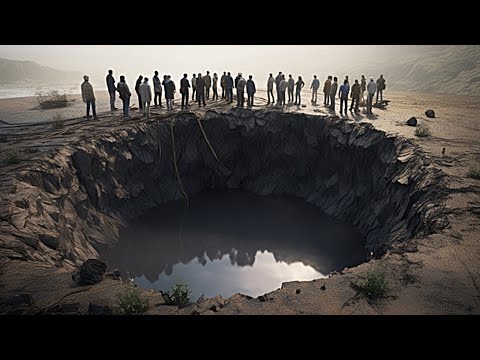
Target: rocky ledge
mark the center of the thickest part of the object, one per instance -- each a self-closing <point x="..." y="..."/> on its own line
<point x="60" y="209"/>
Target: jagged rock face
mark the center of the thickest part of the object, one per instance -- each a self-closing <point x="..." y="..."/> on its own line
<point x="61" y="210"/>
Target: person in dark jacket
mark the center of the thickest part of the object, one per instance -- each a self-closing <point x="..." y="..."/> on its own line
<point x="290" y="88"/>
<point x="137" y="90"/>
<point x="343" y="94"/>
<point x="201" y="90"/>
<point x="236" y="83"/>
<point x="184" y="86"/>
<point x="229" y="87"/>
<point x="241" y="90"/>
<point x="157" y="90"/>
<point x="333" y="93"/>
<point x="363" y="88"/>
<point x="215" y="86"/>
<point x="124" y="94"/>
<point x="326" y="90"/>
<point x="169" y="92"/>
<point x="380" y="88"/>
<point x="111" y="89"/>
<point x="300" y="84"/>
<point x="194" y="87"/>
<point x="251" y="90"/>
<point x="355" y="96"/>
<point x="315" y="85"/>
<point x="270" y="83"/>
<point x="208" y="84"/>
<point x="223" y="83"/>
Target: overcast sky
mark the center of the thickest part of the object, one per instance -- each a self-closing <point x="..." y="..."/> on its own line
<point x="259" y="60"/>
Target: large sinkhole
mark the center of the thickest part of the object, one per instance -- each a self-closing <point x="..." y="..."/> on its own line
<point x="292" y="193"/>
<point x="234" y="242"/>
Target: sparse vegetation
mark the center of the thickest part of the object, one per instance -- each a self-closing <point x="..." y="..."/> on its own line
<point x="57" y="122"/>
<point x="11" y="157"/>
<point x="375" y="285"/>
<point x="51" y="100"/>
<point x="423" y="131"/>
<point x="474" y="173"/>
<point x="180" y="295"/>
<point x="131" y="302"/>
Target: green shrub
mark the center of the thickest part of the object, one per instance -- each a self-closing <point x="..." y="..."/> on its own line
<point x="131" y="302"/>
<point x="375" y="285"/>
<point x="423" y="131"/>
<point x="180" y="295"/>
<point x="57" y="121"/>
<point x="11" y="157"/>
<point x="474" y="173"/>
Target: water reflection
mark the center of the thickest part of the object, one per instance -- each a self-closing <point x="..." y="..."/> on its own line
<point x="229" y="242"/>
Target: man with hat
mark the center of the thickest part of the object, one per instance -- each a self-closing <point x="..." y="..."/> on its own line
<point x="88" y="97"/>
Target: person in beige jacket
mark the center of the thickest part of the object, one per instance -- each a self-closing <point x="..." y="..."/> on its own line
<point x="146" y="96"/>
<point x="88" y="97"/>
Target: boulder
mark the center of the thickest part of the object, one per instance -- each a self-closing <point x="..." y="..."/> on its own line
<point x="91" y="272"/>
<point x="412" y="121"/>
<point x="430" y="113"/>
<point x="100" y="307"/>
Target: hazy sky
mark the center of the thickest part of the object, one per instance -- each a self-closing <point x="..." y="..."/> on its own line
<point x="258" y="60"/>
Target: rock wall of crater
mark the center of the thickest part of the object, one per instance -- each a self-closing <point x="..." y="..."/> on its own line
<point x="63" y="208"/>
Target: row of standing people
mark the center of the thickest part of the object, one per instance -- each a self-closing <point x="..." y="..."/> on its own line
<point x="201" y="90"/>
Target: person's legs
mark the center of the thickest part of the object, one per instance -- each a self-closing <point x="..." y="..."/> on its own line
<point x="94" y="111"/>
<point x="144" y="105"/>
<point x="251" y="101"/>
<point x="148" y="109"/>
<point x="381" y="95"/>
<point x="378" y="92"/>
<point x="183" y="101"/>
<point x="88" y="108"/>
<point x="112" y="101"/>
<point x="155" y="102"/>
<point x="223" y="92"/>
<point x="341" y="105"/>
<point x="193" y="94"/>
<point x="332" y="102"/>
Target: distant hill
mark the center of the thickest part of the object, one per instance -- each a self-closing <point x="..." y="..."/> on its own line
<point x="448" y="69"/>
<point x="12" y="71"/>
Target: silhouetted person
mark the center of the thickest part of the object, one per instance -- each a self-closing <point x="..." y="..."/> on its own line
<point x="283" y="89"/>
<point x="300" y="84"/>
<point x="223" y="83"/>
<point x="208" y="84"/>
<point x="355" y="96"/>
<point x="371" y="89"/>
<point x="346" y="79"/>
<point x="380" y="88"/>
<point x="229" y="88"/>
<point x="343" y="95"/>
<point x="201" y="90"/>
<point x="169" y="92"/>
<point x="326" y="91"/>
<point x="124" y="94"/>
<point x="241" y="90"/>
<point x="146" y="95"/>
<point x="333" y="92"/>
<point x="137" y="90"/>
<point x="88" y="97"/>
<point x="184" y="86"/>
<point x="363" y="88"/>
<point x="291" y="86"/>
<point x="236" y="82"/>
<point x="111" y="89"/>
<point x="157" y="89"/>
<point x="315" y="86"/>
<point x="214" y="86"/>
<point x="278" y="80"/>
<point x="194" y="88"/>
<point x="270" y="83"/>
<point x="251" y="90"/>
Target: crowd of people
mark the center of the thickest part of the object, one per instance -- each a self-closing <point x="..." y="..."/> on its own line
<point x="200" y="87"/>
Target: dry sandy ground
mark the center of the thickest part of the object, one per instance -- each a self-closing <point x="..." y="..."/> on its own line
<point x="441" y="277"/>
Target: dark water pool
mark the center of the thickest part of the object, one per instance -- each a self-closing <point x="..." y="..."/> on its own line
<point x="229" y="242"/>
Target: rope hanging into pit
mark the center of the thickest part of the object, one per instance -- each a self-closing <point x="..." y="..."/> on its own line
<point x="208" y="143"/>
<point x="175" y="163"/>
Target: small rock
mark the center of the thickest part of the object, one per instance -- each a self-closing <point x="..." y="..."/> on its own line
<point x="91" y="272"/>
<point x="20" y="299"/>
<point x="263" y="298"/>
<point x="115" y="274"/>
<point x="323" y="287"/>
<point x="297" y="291"/>
<point x="66" y="308"/>
<point x="412" y="121"/>
<point x="430" y="113"/>
<point x="99" y="307"/>
<point x="215" y="308"/>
